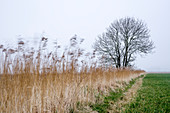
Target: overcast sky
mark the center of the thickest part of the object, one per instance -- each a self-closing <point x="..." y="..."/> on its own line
<point x="62" y="19"/>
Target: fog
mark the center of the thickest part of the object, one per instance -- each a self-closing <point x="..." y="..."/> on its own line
<point x="62" y="19"/>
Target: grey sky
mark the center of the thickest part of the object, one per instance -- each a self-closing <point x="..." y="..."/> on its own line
<point x="62" y="19"/>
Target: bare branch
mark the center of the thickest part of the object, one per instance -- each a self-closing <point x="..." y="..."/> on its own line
<point x="123" y="40"/>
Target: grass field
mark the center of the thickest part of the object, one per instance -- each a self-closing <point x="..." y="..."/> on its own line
<point x="39" y="81"/>
<point x="154" y="95"/>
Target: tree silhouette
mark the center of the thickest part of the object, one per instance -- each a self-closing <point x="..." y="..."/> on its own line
<point x="122" y="41"/>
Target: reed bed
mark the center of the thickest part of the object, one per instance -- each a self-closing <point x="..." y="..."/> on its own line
<point x="38" y="81"/>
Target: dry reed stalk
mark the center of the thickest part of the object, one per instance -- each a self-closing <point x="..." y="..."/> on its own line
<point x="38" y="82"/>
<point x="20" y="93"/>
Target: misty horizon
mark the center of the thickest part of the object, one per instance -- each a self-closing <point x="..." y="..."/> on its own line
<point x="61" y="20"/>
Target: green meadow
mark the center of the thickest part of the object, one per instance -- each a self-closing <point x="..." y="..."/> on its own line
<point x="153" y="96"/>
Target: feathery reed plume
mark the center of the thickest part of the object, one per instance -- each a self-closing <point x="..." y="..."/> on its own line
<point x="39" y="81"/>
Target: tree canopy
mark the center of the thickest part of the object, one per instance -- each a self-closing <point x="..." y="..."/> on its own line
<point x="122" y="41"/>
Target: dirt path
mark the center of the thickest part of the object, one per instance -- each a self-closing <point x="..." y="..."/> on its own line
<point x="119" y="106"/>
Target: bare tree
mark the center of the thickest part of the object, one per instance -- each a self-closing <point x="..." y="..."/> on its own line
<point x="122" y="41"/>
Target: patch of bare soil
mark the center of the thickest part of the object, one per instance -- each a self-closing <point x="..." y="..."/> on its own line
<point x="119" y="106"/>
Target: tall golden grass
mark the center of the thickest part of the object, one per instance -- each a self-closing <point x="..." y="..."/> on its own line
<point x="39" y="82"/>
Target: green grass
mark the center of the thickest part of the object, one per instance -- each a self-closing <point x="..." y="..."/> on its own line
<point x="154" y="95"/>
<point x="114" y="96"/>
<point x="102" y="107"/>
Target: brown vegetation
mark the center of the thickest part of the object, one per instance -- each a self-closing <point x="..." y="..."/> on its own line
<point x="40" y="81"/>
